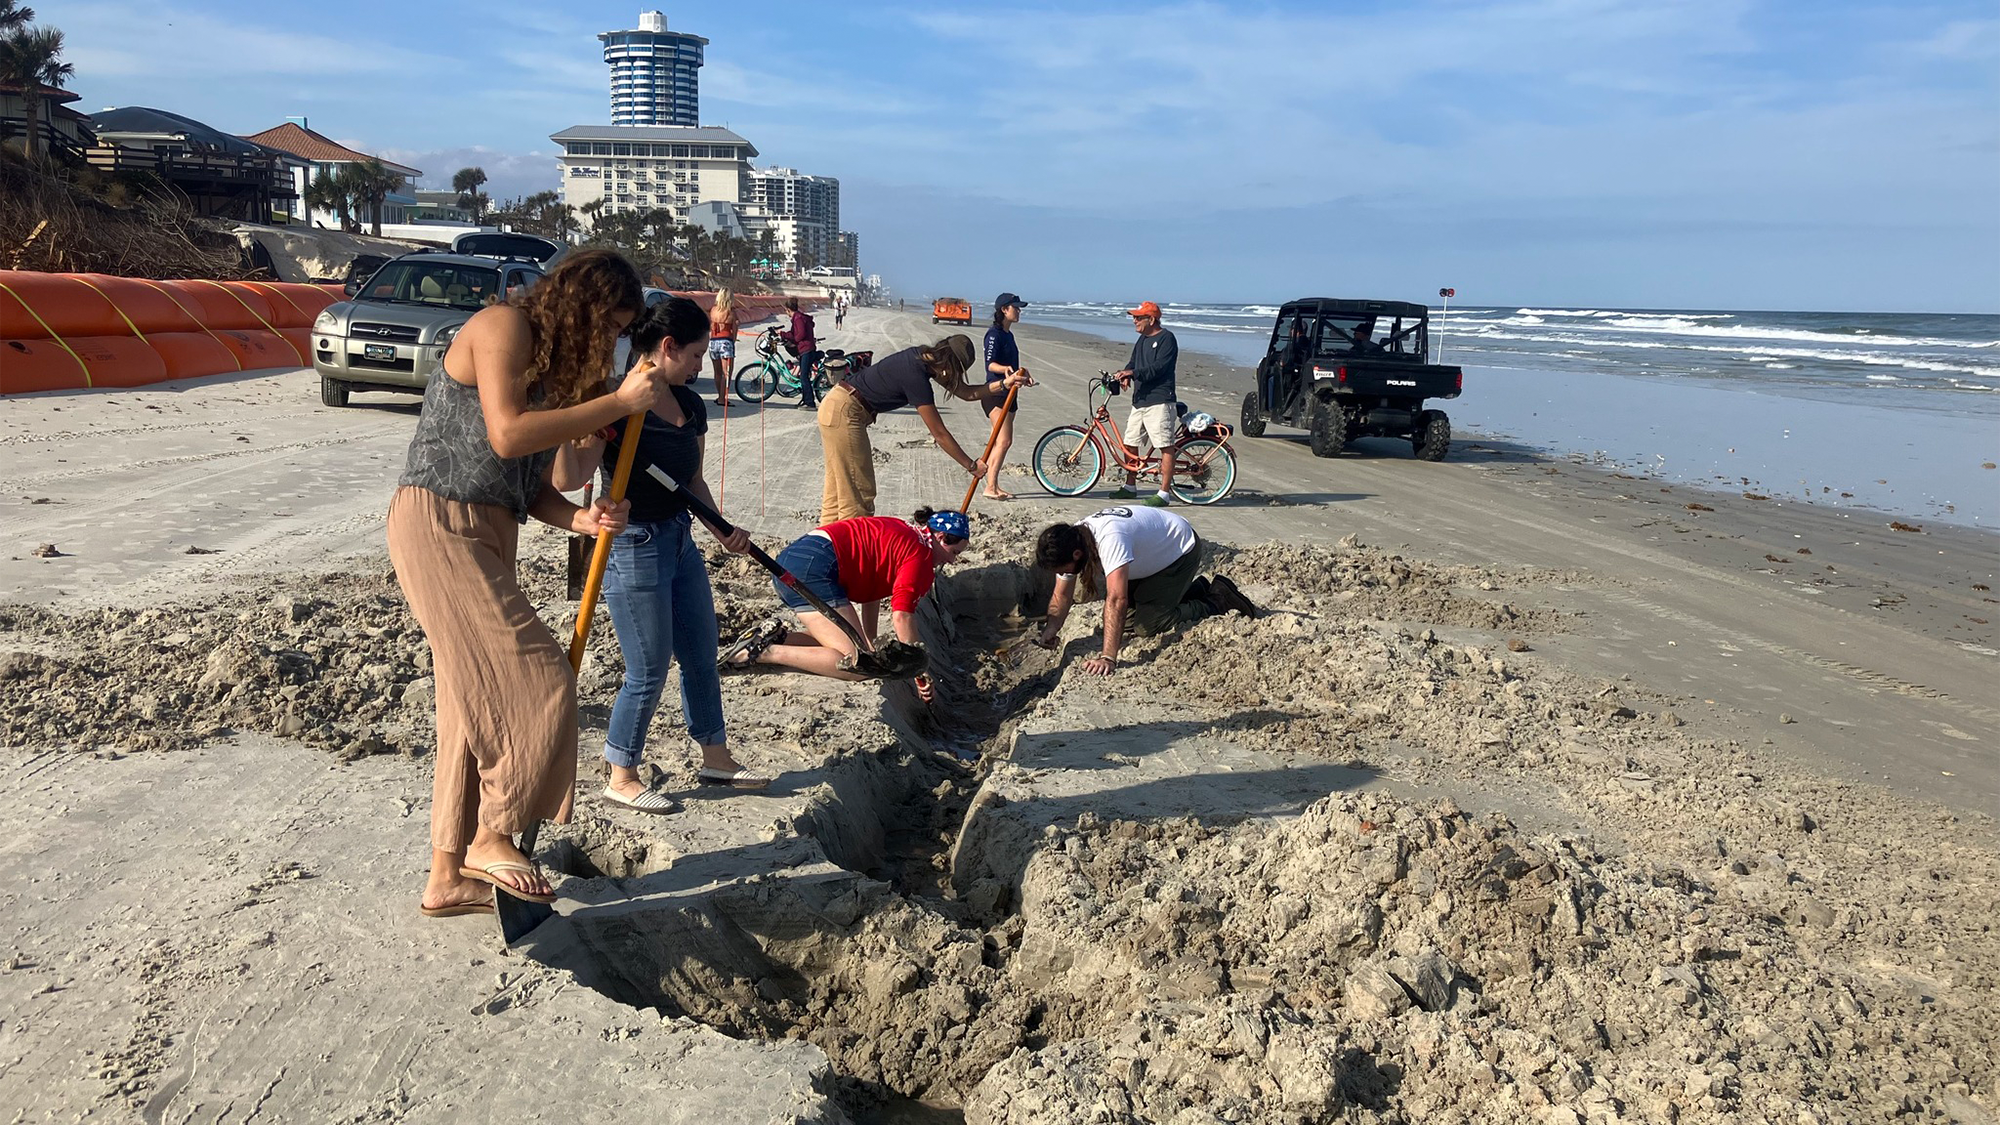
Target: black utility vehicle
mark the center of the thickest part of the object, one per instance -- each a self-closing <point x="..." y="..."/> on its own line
<point x="1342" y="369"/>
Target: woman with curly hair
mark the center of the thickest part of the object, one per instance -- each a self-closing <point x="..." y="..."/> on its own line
<point x="519" y="380"/>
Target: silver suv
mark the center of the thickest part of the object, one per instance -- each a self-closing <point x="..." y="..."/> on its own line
<point x="392" y="331"/>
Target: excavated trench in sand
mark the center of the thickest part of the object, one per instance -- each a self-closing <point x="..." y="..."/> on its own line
<point x="779" y="956"/>
<point x="1368" y="959"/>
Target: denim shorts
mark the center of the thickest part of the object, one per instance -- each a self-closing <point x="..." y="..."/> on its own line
<point x="811" y="560"/>
<point x="722" y="347"/>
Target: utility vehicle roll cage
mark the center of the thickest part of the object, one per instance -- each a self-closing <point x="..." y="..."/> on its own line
<point x="1337" y="327"/>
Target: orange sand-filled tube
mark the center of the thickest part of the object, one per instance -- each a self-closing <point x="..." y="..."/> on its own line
<point x="74" y="331"/>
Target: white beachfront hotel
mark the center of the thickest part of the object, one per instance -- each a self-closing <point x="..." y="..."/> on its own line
<point x="651" y="167"/>
<point x="655" y="156"/>
<point x="701" y="176"/>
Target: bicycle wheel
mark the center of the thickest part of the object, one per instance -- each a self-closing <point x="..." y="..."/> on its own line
<point x="1067" y="462"/>
<point x="822" y="380"/>
<point x="758" y="381"/>
<point x="1204" y="472"/>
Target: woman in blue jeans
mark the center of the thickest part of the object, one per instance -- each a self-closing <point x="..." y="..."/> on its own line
<point x="656" y="586"/>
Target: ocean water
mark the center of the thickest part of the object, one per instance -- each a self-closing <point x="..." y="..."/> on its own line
<point x="1896" y="412"/>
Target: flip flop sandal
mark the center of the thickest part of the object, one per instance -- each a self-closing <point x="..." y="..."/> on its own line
<point x="487" y="875"/>
<point x="456" y="910"/>
<point x="752" y="646"/>
<point x="648" y="801"/>
<point x="735" y="779"/>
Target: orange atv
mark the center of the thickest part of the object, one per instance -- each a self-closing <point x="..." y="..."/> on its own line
<point x="951" y="310"/>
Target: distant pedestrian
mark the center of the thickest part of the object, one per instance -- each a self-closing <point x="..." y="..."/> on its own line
<point x="839" y="311"/>
<point x="1155" y="412"/>
<point x="1144" y="563"/>
<point x="800" y="337"/>
<point x="519" y="380"/>
<point x="1003" y="362"/>
<point x="908" y="378"/>
<point x="722" y="328"/>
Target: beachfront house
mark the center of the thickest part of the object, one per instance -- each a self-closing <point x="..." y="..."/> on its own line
<point x="316" y="154"/>
<point x="220" y="175"/>
<point x="64" y="132"/>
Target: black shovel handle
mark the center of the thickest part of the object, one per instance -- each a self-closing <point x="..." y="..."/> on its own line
<point x="714" y="519"/>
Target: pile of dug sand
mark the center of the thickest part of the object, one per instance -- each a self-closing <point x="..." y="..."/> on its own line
<point x="334" y="660"/>
<point x="1727" y="939"/>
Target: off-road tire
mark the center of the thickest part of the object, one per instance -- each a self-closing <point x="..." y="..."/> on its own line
<point x="332" y="391"/>
<point x="1433" y="439"/>
<point x="1253" y="417"/>
<point x="1326" y="427"/>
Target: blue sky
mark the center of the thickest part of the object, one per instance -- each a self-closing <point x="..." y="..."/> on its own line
<point x="1685" y="153"/>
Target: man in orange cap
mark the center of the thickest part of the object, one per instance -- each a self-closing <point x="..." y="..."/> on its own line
<point x="1155" y="412"/>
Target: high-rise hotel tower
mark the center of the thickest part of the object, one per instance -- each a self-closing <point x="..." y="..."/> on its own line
<point x="654" y="73"/>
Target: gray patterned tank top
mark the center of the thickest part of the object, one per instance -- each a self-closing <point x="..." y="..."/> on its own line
<point x="451" y="456"/>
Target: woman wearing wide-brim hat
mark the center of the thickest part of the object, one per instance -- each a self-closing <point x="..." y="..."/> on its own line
<point x="907" y="378"/>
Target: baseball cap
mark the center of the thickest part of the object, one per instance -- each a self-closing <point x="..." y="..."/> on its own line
<point x="1146" y="308"/>
<point x="1005" y="299"/>
<point x="960" y="348"/>
<point x="950" y="523"/>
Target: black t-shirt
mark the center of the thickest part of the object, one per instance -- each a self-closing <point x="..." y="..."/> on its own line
<point x="675" y="449"/>
<point x="897" y="381"/>
<point x="1152" y="366"/>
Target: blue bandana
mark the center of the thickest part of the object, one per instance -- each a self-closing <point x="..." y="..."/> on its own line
<point x="950" y="523"/>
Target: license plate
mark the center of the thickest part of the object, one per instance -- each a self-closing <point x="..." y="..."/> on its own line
<point x="379" y="351"/>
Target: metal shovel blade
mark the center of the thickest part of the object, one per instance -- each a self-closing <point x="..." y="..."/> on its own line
<point x="518" y="916"/>
<point x="896" y="660"/>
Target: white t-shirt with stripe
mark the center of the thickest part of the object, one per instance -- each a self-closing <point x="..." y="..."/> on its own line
<point x="1148" y="540"/>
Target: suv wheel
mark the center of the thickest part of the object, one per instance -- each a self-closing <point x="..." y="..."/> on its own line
<point x="1326" y="427"/>
<point x="332" y="391"/>
<point x="1433" y="437"/>
<point x="1253" y="418"/>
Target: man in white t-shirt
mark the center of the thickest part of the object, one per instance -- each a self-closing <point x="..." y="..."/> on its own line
<point x="1144" y="561"/>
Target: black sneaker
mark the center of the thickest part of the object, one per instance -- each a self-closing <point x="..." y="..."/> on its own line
<point x="752" y="646"/>
<point x="1223" y="594"/>
<point x="1197" y="591"/>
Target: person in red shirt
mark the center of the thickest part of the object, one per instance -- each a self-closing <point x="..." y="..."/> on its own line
<point x="861" y="560"/>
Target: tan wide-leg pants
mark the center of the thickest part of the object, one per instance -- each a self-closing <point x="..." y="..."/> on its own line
<point x="506" y="700"/>
<point x="849" y="490"/>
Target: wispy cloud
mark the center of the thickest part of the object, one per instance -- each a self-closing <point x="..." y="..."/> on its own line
<point x="1047" y="132"/>
<point x="152" y="41"/>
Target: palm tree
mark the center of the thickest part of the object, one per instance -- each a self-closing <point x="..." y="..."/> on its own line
<point x="338" y="191"/>
<point x="12" y="17"/>
<point x="372" y="184"/>
<point x="31" y="58"/>
<point x="466" y="182"/>
<point x="697" y="246"/>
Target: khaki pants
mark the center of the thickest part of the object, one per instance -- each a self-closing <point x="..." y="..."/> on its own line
<point x="506" y="699"/>
<point x="849" y="488"/>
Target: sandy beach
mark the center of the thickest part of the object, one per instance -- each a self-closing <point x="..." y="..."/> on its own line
<point x="1543" y="792"/>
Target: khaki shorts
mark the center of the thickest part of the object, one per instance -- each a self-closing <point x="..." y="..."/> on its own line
<point x="1150" y="429"/>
